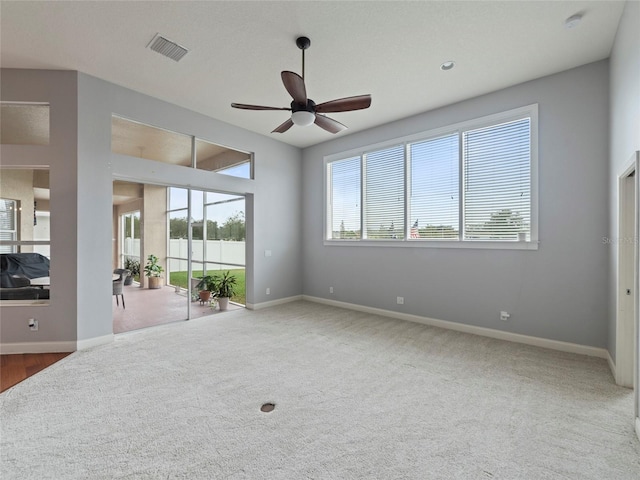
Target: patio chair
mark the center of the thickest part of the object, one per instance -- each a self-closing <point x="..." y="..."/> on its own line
<point x="118" y="284"/>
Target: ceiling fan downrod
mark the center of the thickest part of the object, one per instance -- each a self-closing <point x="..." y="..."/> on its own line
<point x="303" y="43"/>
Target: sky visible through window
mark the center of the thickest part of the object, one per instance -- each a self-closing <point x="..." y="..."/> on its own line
<point x="243" y="170"/>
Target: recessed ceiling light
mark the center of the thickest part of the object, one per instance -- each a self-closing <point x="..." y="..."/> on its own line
<point x="447" y="65"/>
<point x="573" y="21"/>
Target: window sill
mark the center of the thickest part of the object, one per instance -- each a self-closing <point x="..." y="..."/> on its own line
<point x="24" y="303"/>
<point x="532" y="245"/>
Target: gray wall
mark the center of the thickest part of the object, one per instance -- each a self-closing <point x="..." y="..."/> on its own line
<point x="81" y="197"/>
<point x="625" y="130"/>
<point x="57" y="321"/>
<point x="275" y="190"/>
<point x="559" y="291"/>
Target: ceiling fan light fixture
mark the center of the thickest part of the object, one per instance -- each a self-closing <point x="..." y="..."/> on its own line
<point x="303" y="118"/>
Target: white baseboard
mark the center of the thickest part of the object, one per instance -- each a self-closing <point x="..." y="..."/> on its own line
<point x="273" y="303"/>
<point x="94" y="342"/>
<point x="638" y="427"/>
<point x="461" y="327"/>
<point x="37" y="347"/>
<point x="53" y="347"/>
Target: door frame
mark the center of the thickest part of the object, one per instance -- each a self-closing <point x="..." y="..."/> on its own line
<point x="627" y="365"/>
<point x="627" y="253"/>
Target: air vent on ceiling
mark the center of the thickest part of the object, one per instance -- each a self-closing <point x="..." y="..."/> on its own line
<point x="167" y="47"/>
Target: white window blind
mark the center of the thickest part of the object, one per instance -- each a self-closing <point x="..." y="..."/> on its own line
<point x="8" y="222"/>
<point x="468" y="185"/>
<point x="497" y="181"/>
<point x="345" y="183"/>
<point x="434" y="196"/>
<point x="384" y="193"/>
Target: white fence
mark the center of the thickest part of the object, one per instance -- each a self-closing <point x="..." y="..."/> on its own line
<point x="221" y="254"/>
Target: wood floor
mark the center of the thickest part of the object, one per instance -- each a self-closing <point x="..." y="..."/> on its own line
<point x="15" y="368"/>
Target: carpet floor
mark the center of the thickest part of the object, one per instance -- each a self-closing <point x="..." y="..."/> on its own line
<point x="356" y="396"/>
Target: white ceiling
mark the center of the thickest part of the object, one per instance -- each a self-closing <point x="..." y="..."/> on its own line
<point x="389" y="49"/>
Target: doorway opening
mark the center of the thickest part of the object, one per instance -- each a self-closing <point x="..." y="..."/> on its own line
<point x="191" y="233"/>
<point x="627" y="366"/>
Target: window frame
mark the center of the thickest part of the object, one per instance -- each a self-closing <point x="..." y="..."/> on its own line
<point x="530" y="111"/>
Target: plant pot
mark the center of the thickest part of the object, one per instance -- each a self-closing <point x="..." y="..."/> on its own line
<point x="155" y="282"/>
<point x="223" y="302"/>
<point x="205" y="295"/>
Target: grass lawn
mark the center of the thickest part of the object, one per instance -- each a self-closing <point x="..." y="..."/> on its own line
<point x="180" y="279"/>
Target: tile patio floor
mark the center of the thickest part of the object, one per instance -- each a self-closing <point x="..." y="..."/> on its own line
<point x="146" y="308"/>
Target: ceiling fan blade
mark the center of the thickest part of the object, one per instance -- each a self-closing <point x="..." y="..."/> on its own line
<point x="283" y="127"/>
<point x="295" y="86"/>
<point x="329" y="124"/>
<point x="347" y="104"/>
<point x="244" y="106"/>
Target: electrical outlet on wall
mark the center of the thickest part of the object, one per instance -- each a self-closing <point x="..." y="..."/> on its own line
<point x="400" y="300"/>
<point x="330" y="289"/>
<point x="33" y="324"/>
<point x="268" y="291"/>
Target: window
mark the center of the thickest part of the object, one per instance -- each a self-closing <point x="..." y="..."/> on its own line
<point x="345" y="198"/>
<point x="25" y="236"/>
<point x="384" y="193"/>
<point x="130" y="243"/>
<point x="222" y="160"/>
<point x="8" y="222"/>
<point x="497" y="195"/>
<point x="434" y="188"/>
<point x="470" y="184"/>
<point x="136" y="139"/>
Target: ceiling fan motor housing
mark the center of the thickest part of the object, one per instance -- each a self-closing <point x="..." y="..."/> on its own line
<point x="309" y="107"/>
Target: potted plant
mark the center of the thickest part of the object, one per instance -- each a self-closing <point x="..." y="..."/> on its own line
<point x="153" y="271"/>
<point x="206" y="286"/>
<point x="225" y="289"/>
<point x="134" y="267"/>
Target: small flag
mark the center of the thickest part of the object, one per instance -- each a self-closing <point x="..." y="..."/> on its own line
<point x="414" y="233"/>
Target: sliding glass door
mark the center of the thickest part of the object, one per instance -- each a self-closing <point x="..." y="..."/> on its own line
<point x="216" y="229"/>
<point x="192" y="233"/>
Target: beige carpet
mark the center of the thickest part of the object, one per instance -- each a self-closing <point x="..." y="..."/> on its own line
<point x="357" y="396"/>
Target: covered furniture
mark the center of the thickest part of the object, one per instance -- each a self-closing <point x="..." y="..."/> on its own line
<point x="16" y="270"/>
<point x="26" y="265"/>
<point x="119" y="282"/>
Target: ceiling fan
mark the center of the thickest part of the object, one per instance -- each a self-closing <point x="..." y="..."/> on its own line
<point x="304" y="111"/>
